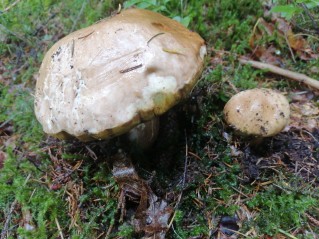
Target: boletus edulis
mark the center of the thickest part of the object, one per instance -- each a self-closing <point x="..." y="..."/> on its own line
<point x="102" y="81"/>
<point x="257" y="112"/>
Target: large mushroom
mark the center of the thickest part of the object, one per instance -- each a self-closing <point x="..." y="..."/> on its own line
<point x="102" y="81"/>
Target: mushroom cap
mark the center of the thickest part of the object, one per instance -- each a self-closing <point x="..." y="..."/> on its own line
<point x="257" y="112"/>
<point x="103" y="80"/>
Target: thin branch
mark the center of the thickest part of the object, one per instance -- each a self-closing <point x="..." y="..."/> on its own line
<point x="286" y="73"/>
<point x="78" y="16"/>
<point x="11" y="6"/>
<point x="5" y="29"/>
<point x="59" y="228"/>
<point x="183" y="184"/>
<point x="156" y="35"/>
<point x="185" y="163"/>
<point x="8" y="219"/>
<point x="313" y="21"/>
<point x="291" y="52"/>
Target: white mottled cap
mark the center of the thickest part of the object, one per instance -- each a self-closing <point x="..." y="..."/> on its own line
<point x="257" y="112"/>
<point x="103" y="80"/>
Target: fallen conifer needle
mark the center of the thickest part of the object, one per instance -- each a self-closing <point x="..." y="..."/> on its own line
<point x="286" y="73"/>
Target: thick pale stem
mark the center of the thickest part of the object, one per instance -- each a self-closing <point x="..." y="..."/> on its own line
<point x="144" y="134"/>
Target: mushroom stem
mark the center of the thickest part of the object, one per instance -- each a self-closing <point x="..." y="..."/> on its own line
<point x="144" y="134"/>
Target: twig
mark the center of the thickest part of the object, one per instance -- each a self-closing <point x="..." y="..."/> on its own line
<point x="131" y="69"/>
<point x="11" y="6"/>
<point x="172" y="51"/>
<point x="185" y="163"/>
<point x="119" y="9"/>
<point x="312" y="219"/>
<point x="78" y="16"/>
<point x="313" y="21"/>
<point x="237" y="232"/>
<point x="6" y="224"/>
<point x="3" y="28"/>
<point x="307" y="35"/>
<point x="291" y="52"/>
<point x="183" y="184"/>
<point x="38" y="29"/>
<point x="86" y="35"/>
<point x="5" y="123"/>
<point x="109" y="230"/>
<point x="287" y="234"/>
<point x="286" y="73"/>
<point x="59" y="228"/>
<point x="158" y="34"/>
<point x="184" y="174"/>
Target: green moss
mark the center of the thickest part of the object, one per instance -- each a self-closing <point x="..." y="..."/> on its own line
<point x="280" y="209"/>
<point x="17" y="109"/>
<point x="18" y="184"/>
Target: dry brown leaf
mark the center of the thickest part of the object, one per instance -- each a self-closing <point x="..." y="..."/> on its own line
<point x="264" y="53"/>
<point x="280" y="236"/>
<point x="74" y="191"/>
<point x="304" y="115"/>
<point x="217" y="58"/>
<point x="158" y="215"/>
<point x="285" y="38"/>
<point x="261" y="28"/>
<point x="152" y="215"/>
<point x="3" y="157"/>
<point x="269" y="56"/>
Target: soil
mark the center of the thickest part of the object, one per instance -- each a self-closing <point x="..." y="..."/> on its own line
<point x="295" y="150"/>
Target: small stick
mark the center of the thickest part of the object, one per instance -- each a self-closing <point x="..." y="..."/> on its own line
<point x="119" y="9"/>
<point x="131" y="68"/>
<point x="59" y="228"/>
<point x="185" y="163"/>
<point x="11" y="6"/>
<point x="172" y="51"/>
<point x="8" y="219"/>
<point x="78" y="16"/>
<point x="183" y="183"/>
<point x="291" y="52"/>
<point x="286" y="73"/>
<point x="86" y="35"/>
<point x="287" y="234"/>
<point x="312" y="219"/>
<point x="158" y="34"/>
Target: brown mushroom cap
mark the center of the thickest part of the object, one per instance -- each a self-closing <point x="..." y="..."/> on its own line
<point x="103" y="80"/>
<point x="257" y="112"/>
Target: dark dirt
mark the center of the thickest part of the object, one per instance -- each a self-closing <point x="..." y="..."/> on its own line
<point x="297" y="151"/>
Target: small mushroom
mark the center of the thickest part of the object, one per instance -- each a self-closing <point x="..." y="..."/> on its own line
<point x="102" y="81"/>
<point x="257" y="112"/>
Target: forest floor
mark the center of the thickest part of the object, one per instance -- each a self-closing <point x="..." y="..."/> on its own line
<point x="206" y="181"/>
